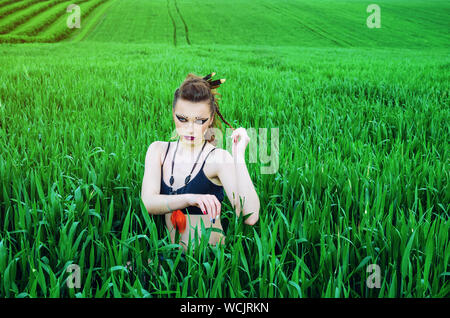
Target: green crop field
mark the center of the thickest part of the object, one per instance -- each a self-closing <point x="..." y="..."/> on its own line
<point x="362" y="115"/>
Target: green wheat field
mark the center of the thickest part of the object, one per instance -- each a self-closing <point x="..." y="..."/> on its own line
<point x="363" y="156"/>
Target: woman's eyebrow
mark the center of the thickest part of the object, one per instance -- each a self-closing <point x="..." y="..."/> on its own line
<point x="188" y="117"/>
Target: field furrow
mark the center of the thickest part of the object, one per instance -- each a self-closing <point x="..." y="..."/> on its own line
<point x="9" y="24"/>
<point x="4" y="3"/>
<point x="16" y="7"/>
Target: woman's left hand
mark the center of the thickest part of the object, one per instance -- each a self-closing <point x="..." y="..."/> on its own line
<point x="240" y="140"/>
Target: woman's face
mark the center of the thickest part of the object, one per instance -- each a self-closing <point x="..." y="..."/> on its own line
<point x="191" y="121"/>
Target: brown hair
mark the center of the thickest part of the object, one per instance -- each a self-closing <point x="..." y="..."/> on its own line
<point x="196" y="89"/>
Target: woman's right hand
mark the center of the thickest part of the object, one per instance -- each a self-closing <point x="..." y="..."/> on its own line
<point x="208" y="203"/>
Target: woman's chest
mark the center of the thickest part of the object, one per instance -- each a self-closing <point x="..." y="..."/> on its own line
<point x="183" y="177"/>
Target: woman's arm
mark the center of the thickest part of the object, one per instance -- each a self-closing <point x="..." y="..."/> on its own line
<point x="164" y="203"/>
<point x="157" y="203"/>
<point x="234" y="176"/>
<point x="154" y="202"/>
<point x="246" y="190"/>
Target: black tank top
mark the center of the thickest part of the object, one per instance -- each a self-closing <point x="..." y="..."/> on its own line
<point x="200" y="184"/>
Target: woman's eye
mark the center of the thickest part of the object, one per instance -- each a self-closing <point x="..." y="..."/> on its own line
<point x="198" y="121"/>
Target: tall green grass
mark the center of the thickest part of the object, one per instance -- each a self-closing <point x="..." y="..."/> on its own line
<point x="362" y="179"/>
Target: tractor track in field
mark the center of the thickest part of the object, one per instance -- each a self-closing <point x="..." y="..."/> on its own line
<point x="173" y="24"/>
<point x="186" y="30"/>
<point x="323" y="34"/>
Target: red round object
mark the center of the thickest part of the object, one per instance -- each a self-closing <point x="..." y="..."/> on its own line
<point x="178" y="220"/>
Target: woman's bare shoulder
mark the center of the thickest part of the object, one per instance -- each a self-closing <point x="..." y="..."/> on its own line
<point x="158" y="147"/>
<point x="155" y="146"/>
<point x="219" y="157"/>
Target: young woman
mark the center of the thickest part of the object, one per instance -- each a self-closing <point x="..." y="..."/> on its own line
<point x="184" y="179"/>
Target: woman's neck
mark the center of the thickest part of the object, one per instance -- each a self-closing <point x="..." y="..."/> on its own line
<point x="189" y="149"/>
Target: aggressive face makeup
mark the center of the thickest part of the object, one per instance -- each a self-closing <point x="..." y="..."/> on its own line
<point x="191" y="121"/>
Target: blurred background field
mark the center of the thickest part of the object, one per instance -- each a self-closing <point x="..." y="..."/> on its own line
<point x="363" y="149"/>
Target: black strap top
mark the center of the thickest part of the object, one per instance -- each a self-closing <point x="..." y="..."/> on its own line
<point x="200" y="184"/>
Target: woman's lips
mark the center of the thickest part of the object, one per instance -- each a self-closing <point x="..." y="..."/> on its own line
<point x="189" y="138"/>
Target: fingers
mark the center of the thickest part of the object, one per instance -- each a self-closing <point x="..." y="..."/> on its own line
<point x="197" y="201"/>
<point x="202" y="207"/>
<point x="238" y="134"/>
<point x="214" y="208"/>
<point x="218" y="208"/>
<point x="234" y="135"/>
<point x="211" y="205"/>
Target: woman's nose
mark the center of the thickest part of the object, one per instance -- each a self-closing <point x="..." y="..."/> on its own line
<point x="191" y="128"/>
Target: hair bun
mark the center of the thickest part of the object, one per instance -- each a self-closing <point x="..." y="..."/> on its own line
<point x="215" y="83"/>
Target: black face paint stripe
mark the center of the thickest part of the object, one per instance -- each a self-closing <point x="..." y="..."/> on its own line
<point x="183" y="117"/>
